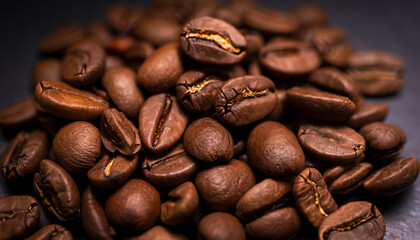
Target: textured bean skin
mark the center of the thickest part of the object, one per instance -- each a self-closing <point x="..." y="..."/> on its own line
<point x="51" y="232"/>
<point x="221" y="226"/>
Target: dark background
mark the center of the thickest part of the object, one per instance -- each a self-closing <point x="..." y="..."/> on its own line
<point x="392" y="26"/>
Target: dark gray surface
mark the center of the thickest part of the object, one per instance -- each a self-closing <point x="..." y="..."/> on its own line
<point x="384" y="25"/>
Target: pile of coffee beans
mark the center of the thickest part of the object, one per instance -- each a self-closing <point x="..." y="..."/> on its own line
<point x="195" y="120"/>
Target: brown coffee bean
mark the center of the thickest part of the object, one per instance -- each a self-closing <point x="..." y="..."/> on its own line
<point x="244" y="100"/>
<point x="273" y="149"/>
<point x="161" y="122"/>
<point x="169" y="168"/>
<point x="221" y="226"/>
<point x="119" y="133"/>
<point x="377" y="73"/>
<point x="120" y="44"/>
<point x="83" y="63"/>
<point x="254" y="42"/>
<point x="160" y="71"/>
<point x="136" y="192"/>
<point x="368" y="113"/>
<point x="58" y="191"/>
<point x="270" y="21"/>
<point x="46" y="70"/>
<point x="355" y="220"/>
<point x="320" y="105"/>
<point x="122" y="17"/>
<point x="349" y="179"/>
<point x="208" y="141"/>
<point x="19" y="215"/>
<point x="65" y="101"/>
<point x="312" y="197"/>
<point x="181" y="206"/>
<point x="212" y="41"/>
<point x="336" y="144"/>
<point x="140" y="51"/>
<point x="287" y="58"/>
<point x="157" y="30"/>
<point x="21" y="158"/>
<point x="112" y="171"/>
<point x="112" y="61"/>
<point x="77" y="146"/>
<point x="19" y="114"/>
<point x="310" y="15"/>
<point x="393" y="178"/>
<point x="280" y="111"/>
<point x="61" y="38"/>
<point x="93" y="217"/>
<point x="51" y="232"/>
<point x="228" y="15"/>
<point x="222" y="186"/>
<point x="159" y="233"/>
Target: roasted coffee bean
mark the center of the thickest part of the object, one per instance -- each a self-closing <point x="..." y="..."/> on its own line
<point x="377" y="73"/>
<point x="65" y="101"/>
<point x="157" y="30"/>
<point x="254" y="42"/>
<point x="221" y="226"/>
<point x="355" y="220"/>
<point x="61" y="38"/>
<point x="320" y="105"/>
<point x="123" y="17"/>
<point x="336" y="144"/>
<point x="368" y="113"/>
<point x="19" y="114"/>
<point x="120" y="45"/>
<point x="222" y="186"/>
<point x="22" y="156"/>
<point x="228" y="15"/>
<point x="181" y="206"/>
<point x="312" y="197"/>
<point x="393" y="178"/>
<point x="83" y="63"/>
<point x="288" y="58"/>
<point x="270" y="21"/>
<point x="196" y="89"/>
<point x="19" y="215"/>
<point x="273" y="149"/>
<point x="169" y="168"/>
<point x="135" y="205"/>
<point x="279" y="112"/>
<point x="138" y="53"/>
<point x="310" y="15"/>
<point x="161" y="122"/>
<point x="208" y="141"/>
<point x="212" y="41"/>
<point x="383" y="141"/>
<point x="46" y="70"/>
<point x="112" y="61"/>
<point x="254" y="68"/>
<point x="93" y="217"/>
<point x="160" y="72"/>
<point x="244" y="100"/>
<point x="58" y="191"/>
<point x="119" y="133"/>
<point x="77" y="146"/>
<point x="51" y="232"/>
<point x="159" y="233"/>
<point x="112" y="171"/>
<point x="342" y="182"/>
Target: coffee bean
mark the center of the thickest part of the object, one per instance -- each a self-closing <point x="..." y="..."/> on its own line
<point x="161" y="122"/>
<point x="377" y="73"/>
<point x="136" y="192"/>
<point x="270" y="21"/>
<point x="58" y="191"/>
<point x="181" y="206"/>
<point x="119" y="133"/>
<point x="244" y="100"/>
<point x="393" y="178"/>
<point x="287" y="58"/>
<point x="383" y="141"/>
<point x="112" y="171"/>
<point x="280" y="111"/>
<point x="157" y="30"/>
<point x="274" y="150"/>
<point x="93" y="217"/>
<point x="208" y="141"/>
<point x="161" y="70"/>
<point x="136" y="55"/>
<point x="112" y="61"/>
<point x="120" y="45"/>
<point x="159" y="232"/>
<point x="312" y="197"/>
<point x="221" y="226"/>
<point x="19" y="114"/>
<point x="368" y="113"/>
<point x="169" y="168"/>
<point x="310" y="15"/>
<point x="320" y="105"/>
<point x="22" y="156"/>
<point x="222" y="186"/>
<point x="212" y="41"/>
<point x="228" y="15"/>
<point x="46" y="70"/>
<point x="254" y="42"/>
<point x="83" y="63"/>
<point x="336" y="144"/>
<point x="19" y="215"/>
<point x="51" y="232"/>
<point x="65" y="101"/>
<point x="349" y="179"/>
<point x="77" y="146"/>
<point x="355" y="220"/>
<point x="61" y="38"/>
<point x="122" y="17"/>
